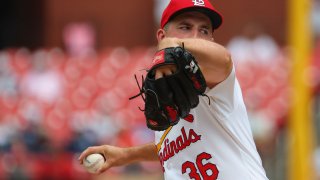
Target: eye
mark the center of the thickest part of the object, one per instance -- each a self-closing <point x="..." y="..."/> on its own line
<point x="184" y="27"/>
<point x="204" y="31"/>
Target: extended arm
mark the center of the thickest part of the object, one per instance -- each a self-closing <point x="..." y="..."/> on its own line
<point x="116" y="156"/>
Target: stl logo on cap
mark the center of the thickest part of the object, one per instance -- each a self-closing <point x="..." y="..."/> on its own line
<point x="198" y="2"/>
<point x="179" y="6"/>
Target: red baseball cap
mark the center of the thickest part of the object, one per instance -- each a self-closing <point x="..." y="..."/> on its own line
<point x="177" y="7"/>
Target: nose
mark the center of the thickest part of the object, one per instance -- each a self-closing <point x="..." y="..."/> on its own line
<point x="195" y="34"/>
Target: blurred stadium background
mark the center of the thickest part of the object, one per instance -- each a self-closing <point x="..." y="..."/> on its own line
<point x="66" y="73"/>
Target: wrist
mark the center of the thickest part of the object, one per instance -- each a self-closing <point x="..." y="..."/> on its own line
<point x="169" y="42"/>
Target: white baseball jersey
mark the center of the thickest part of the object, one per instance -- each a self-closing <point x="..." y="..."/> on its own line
<point x="214" y="141"/>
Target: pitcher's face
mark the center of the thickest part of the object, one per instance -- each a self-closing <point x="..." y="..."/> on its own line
<point x="190" y="25"/>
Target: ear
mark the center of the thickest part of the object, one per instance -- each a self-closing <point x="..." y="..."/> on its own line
<point x="161" y="34"/>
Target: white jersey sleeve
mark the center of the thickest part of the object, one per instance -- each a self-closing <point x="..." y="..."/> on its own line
<point x="214" y="141"/>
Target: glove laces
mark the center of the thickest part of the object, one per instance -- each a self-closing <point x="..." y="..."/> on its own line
<point x="143" y="91"/>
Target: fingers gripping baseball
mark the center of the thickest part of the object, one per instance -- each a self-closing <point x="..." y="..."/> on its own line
<point x="113" y="156"/>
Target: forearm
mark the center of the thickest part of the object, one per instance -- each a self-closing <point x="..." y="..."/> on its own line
<point x="208" y="53"/>
<point x="214" y="59"/>
<point x="147" y="152"/>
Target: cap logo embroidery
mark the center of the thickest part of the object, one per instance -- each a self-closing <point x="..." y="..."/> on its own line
<point x="198" y="2"/>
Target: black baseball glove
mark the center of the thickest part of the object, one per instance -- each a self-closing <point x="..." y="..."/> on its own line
<point x="170" y="98"/>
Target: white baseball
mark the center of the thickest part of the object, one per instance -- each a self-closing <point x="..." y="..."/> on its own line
<point x="93" y="162"/>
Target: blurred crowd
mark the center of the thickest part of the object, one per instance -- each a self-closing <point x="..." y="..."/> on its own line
<point x="53" y="106"/>
<point x="55" y="103"/>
